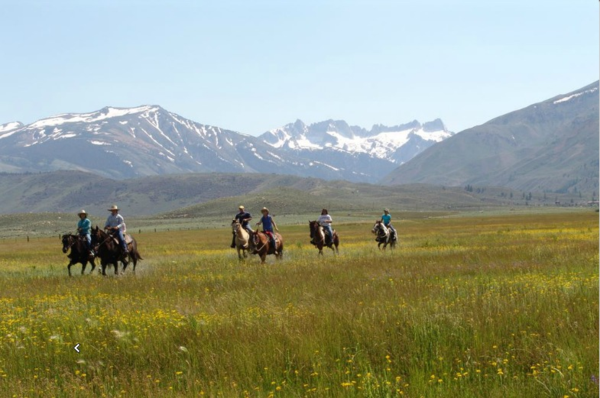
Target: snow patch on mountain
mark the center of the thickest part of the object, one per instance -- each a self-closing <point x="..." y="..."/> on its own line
<point x="570" y="97"/>
<point x="103" y="114"/>
<point x="8" y="129"/>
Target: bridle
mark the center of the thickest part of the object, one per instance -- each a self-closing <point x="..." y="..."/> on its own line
<point x="109" y="237"/>
<point x="314" y="232"/>
<point x="69" y="244"/>
<point x="380" y="230"/>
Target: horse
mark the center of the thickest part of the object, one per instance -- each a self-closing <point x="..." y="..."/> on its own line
<point x="79" y="252"/>
<point x="243" y="243"/>
<point x="109" y="250"/>
<point x="319" y="239"/>
<point x="263" y="246"/>
<point x="383" y="235"/>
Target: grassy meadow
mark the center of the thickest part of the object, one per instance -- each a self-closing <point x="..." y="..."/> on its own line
<point x="479" y="306"/>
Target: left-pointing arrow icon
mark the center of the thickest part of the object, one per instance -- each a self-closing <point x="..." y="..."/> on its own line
<point x="76" y="348"/>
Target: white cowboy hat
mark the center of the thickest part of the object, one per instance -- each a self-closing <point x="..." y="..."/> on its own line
<point x="82" y="212"/>
<point x="114" y="207"/>
<point x="241" y="207"/>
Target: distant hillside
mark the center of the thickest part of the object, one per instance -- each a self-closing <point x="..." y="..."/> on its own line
<point x="68" y="191"/>
<point x="550" y="146"/>
<point x="220" y="193"/>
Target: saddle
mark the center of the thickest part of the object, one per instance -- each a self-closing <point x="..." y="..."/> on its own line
<point x="128" y="239"/>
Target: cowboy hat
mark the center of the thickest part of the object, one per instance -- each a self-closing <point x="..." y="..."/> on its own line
<point x="264" y="209"/>
<point x="386" y="210"/>
<point x="241" y="207"/>
<point x="114" y="207"/>
<point x="82" y="212"/>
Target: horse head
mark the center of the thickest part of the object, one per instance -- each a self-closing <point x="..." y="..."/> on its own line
<point x="312" y="227"/>
<point x="66" y="241"/>
<point x="376" y="227"/>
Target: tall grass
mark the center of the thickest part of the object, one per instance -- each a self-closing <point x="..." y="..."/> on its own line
<point x="467" y="307"/>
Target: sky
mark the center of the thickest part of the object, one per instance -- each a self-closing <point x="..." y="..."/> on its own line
<point x="251" y="66"/>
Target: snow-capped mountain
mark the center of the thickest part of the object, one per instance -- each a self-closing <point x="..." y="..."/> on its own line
<point x="149" y="140"/>
<point x="140" y="141"/>
<point x="353" y="150"/>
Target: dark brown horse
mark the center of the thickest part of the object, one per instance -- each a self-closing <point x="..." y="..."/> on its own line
<point x="79" y="252"/>
<point x="319" y="238"/>
<point x="109" y="250"/>
<point x="263" y="245"/>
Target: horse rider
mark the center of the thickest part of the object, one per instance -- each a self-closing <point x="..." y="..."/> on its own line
<point x="386" y="218"/>
<point x="84" y="226"/>
<point x="116" y="225"/>
<point x="243" y="217"/>
<point x="325" y="222"/>
<point x="268" y="223"/>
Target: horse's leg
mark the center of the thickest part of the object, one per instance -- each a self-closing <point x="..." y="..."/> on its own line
<point x="263" y="257"/>
<point x="93" y="264"/>
<point x="83" y="265"/>
<point x="116" y="264"/>
<point x="69" y="268"/>
<point x="103" y="264"/>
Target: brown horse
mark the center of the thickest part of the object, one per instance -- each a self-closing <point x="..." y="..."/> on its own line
<point x="79" y="252"/>
<point x="109" y="250"/>
<point x="319" y="239"/>
<point x="263" y="245"/>
<point x="383" y="235"/>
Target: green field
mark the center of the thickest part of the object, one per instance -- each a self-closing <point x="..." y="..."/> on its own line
<point x="485" y="305"/>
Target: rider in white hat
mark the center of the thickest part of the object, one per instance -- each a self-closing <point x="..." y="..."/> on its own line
<point x="116" y="225"/>
<point x="244" y="218"/>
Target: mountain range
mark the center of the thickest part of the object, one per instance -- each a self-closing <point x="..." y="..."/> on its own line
<point x="550" y="146"/>
<point x="149" y="140"/>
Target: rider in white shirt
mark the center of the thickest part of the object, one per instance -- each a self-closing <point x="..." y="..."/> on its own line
<point x="325" y="221"/>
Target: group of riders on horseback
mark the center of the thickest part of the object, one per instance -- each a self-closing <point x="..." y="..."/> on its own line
<point x="269" y="241"/>
<point x="114" y="225"/>
<point x="322" y="233"/>
<point x="111" y="245"/>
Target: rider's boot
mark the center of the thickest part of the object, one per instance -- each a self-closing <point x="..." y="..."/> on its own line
<point x="233" y="242"/>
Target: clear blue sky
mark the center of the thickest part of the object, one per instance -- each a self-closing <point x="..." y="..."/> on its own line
<point x="251" y="66"/>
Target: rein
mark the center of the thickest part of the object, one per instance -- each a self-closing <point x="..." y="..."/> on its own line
<point x="73" y="240"/>
<point x="105" y="240"/>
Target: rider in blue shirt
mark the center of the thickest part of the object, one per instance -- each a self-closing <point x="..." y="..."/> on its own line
<point x="268" y="223"/>
<point x="386" y="218"/>
<point x="84" y="227"/>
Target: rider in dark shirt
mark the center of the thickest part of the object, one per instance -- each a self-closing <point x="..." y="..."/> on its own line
<point x="244" y="218"/>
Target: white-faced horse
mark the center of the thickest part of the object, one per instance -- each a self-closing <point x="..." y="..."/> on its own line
<point x="243" y="242"/>
<point x="383" y="235"/>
